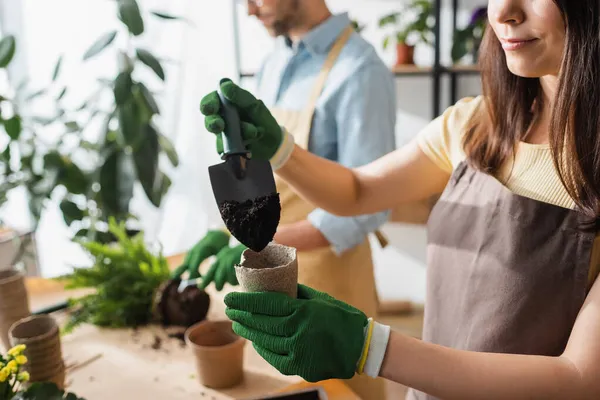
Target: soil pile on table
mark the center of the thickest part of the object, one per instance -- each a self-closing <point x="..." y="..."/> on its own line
<point x="252" y="222"/>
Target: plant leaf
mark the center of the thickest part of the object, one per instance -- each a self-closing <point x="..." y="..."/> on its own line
<point x="148" y="98"/>
<point x="169" y="149"/>
<point x="147" y="58"/>
<point x="7" y="50"/>
<point x="123" y="86"/>
<point x="163" y="15"/>
<point x="72" y="126"/>
<point x="71" y="212"/>
<point x="129" y="124"/>
<point x="62" y="93"/>
<point x="145" y="158"/>
<point x="73" y="178"/>
<point x="57" y="68"/>
<point x="100" y="44"/>
<point x="117" y="178"/>
<point x="13" y="127"/>
<point x="35" y="94"/>
<point x="129" y="14"/>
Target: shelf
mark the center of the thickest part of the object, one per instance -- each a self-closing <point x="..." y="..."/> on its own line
<point x="463" y="69"/>
<point x="402" y="70"/>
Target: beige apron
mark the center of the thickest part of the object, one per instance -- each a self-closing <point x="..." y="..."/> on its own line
<point x="350" y="276"/>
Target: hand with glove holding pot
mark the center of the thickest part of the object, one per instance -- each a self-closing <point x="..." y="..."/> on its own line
<point x="313" y="336"/>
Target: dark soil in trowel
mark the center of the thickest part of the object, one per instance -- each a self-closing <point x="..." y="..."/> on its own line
<point x="253" y="222"/>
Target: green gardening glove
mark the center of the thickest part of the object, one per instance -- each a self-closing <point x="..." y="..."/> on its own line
<point x="223" y="269"/>
<point x="210" y="245"/>
<point x="314" y="336"/>
<point x="260" y="131"/>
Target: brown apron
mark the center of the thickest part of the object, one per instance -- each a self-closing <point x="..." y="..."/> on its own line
<point x="506" y="273"/>
<point x="348" y="277"/>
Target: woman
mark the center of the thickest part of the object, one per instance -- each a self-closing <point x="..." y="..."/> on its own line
<point x="513" y="303"/>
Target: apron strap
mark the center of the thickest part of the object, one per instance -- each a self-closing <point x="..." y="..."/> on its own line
<point x="335" y="51"/>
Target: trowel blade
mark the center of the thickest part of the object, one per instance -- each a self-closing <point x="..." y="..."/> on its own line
<point x="258" y="181"/>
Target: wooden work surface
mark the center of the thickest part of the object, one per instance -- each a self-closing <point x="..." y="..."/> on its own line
<point x="148" y="364"/>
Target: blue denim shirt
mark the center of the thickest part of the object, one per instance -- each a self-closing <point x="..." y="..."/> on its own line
<point x="355" y="115"/>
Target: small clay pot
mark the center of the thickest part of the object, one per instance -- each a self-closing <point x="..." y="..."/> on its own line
<point x="14" y="302"/>
<point x="405" y="54"/>
<point x="274" y="269"/>
<point x="40" y="335"/>
<point x="219" y="353"/>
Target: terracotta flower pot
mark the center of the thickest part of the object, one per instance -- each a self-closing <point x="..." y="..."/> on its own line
<point x="405" y="54"/>
<point x="40" y="334"/>
<point x="14" y="302"/>
<point x="219" y="353"/>
<point x="274" y="269"/>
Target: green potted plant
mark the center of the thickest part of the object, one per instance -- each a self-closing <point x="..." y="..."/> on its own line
<point x="468" y="39"/>
<point x="97" y="177"/>
<point x="411" y="25"/>
<point x="14" y="380"/>
<point x="131" y="286"/>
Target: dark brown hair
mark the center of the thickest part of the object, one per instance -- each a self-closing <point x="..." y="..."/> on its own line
<point x="511" y="102"/>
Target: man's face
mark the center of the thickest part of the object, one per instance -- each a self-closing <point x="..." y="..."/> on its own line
<point x="278" y="16"/>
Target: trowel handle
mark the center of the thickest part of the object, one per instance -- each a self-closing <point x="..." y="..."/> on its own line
<point x="233" y="143"/>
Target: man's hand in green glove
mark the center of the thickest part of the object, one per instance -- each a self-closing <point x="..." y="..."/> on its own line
<point x="314" y="336"/>
<point x="210" y="245"/>
<point x="262" y="134"/>
<point x="223" y="269"/>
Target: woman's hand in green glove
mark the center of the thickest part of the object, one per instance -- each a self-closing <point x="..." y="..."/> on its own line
<point x="210" y="245"/>
<point x="314" y="336"/>
<point x="262" y="134"/>
<point x="223" y="269"/>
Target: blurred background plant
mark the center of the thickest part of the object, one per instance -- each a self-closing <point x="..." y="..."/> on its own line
<point x="467" y="40"/>
<point x="107" y="145"/>
<point x="412" y="25"/>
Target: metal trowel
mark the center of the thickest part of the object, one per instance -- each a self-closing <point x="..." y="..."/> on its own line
<point x="244" y="188"/>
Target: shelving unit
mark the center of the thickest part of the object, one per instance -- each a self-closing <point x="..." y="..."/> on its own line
<point x="436" y="72"/>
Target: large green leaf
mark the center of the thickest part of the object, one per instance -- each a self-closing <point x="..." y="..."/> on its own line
<point x="149" y="100"/>
<point x="169" y="149"/>
<point x="7" y="50"/>
<point x="13" y="127"/>
<point x="71" y="212"/>
<point x="129" y="124"/>
<point x="145" y="158"/>
<point x="129" y="14"/>
<point x="100" y="44"/>
<point x="117" y="178"/>
<point x="73" y="178"/>
<point x="148" y="58"/>
<point x="57" y="68"/>
<point x="123" y="86"/>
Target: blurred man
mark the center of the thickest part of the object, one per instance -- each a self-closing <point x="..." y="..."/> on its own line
<point x="327" y="86"/>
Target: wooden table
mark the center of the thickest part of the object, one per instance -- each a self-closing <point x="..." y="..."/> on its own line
<point x="148" y="364"/>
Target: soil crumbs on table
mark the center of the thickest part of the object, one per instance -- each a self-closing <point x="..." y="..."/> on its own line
<point x="253" y="222"/>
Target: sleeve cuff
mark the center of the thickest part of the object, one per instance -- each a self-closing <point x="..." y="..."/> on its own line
<point x="283" y="153"/>
<point x="344" y="233"/>
<point x="376" y="340"/>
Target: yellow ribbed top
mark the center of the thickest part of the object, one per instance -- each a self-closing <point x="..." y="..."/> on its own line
<point x="531" y="175"/>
